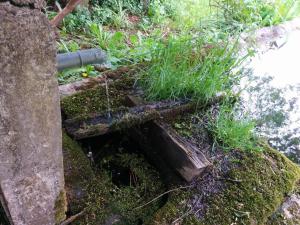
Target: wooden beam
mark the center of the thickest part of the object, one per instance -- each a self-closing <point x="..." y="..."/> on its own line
<point x="100" y="124"/>
<point x="181" y="155"/>
<point x="92" y="82"/>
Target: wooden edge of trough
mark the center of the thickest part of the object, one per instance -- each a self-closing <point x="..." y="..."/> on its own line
<point x="181" y="155"/>
<point x="92" y="82"/>
<point x="95" y="125"/>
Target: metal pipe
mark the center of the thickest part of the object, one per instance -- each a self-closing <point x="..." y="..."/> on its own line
<point x="80" y="58"/>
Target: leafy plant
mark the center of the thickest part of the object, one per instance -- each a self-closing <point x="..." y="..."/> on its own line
<point x="101" y="36"/>
<point x="132" y="6"/>
<point x="257" y="12"/>
<point x="78" y="20"/>
<point x="74" y="74"/>
<point x="114" y="14"/>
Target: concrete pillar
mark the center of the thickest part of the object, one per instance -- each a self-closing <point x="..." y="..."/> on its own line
<point x="31" y="163"/>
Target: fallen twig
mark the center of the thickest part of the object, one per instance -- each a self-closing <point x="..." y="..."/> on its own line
<point x="175" y="189"/>
<point x="230" y="179"/>
<point x="184" y="215"/>
<point x="72" y="218"/>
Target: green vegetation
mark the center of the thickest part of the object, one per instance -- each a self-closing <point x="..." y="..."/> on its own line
<point x="257" y="13"/>
<point x="189" y="52"/>
<point x="230" y="132"/>
<point x="188" y="46"/>
<point x="131" y="33"/>
<point x="187" y="68"/>
<point x="262" y="184"/>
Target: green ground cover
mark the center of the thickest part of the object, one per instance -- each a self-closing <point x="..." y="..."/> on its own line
<point x="184" y="43"/>
<point x="189" y="51"/>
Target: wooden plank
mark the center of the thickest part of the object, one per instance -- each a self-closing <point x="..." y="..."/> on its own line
<point x="181" y="155"/>
<point x="92" y="82"/>
<point x="95" y="125"/>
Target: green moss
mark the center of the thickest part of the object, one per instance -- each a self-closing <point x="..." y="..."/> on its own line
<point x="107" y="200"/>
<point x="278" y="218"/>
<point x="95" y="100"/>
<point x="174" y="208"/>
<point x="90" y="101"/>
<point x="265" y="180"/>
<point x="75" y="161"/>
<point x="78" y="173"/>
<point x="60" y="207"/>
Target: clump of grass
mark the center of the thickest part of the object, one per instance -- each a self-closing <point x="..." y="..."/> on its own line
<point x="232" y="133"/>
<point x="189" y="68"/>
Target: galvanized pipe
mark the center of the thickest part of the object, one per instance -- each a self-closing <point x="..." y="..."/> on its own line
<point x="80" y="58"/>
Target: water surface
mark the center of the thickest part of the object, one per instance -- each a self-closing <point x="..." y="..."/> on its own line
<point x="272" y="95"/>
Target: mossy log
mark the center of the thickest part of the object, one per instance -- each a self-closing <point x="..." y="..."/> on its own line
<point x="92" y="82"/>
<point x="125" y="118"/>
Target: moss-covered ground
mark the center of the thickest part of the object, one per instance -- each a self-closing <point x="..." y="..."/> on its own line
<point x="263" y="180"/>
<point x="253" y="190"/>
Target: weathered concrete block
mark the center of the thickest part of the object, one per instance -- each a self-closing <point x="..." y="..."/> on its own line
<point x="31" y="166"/>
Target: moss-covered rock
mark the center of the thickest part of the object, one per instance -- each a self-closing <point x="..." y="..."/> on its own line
<point x="175" y="210"/>
<point x="252" y="192"/>
<point x="289" y="212"/>
<point x="265" y="179"/>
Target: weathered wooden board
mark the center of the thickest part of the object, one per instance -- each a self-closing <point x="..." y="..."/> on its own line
<point x="92" y="82"/>
<point x="100" y="124"/>
<point x="181" y="155"/>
